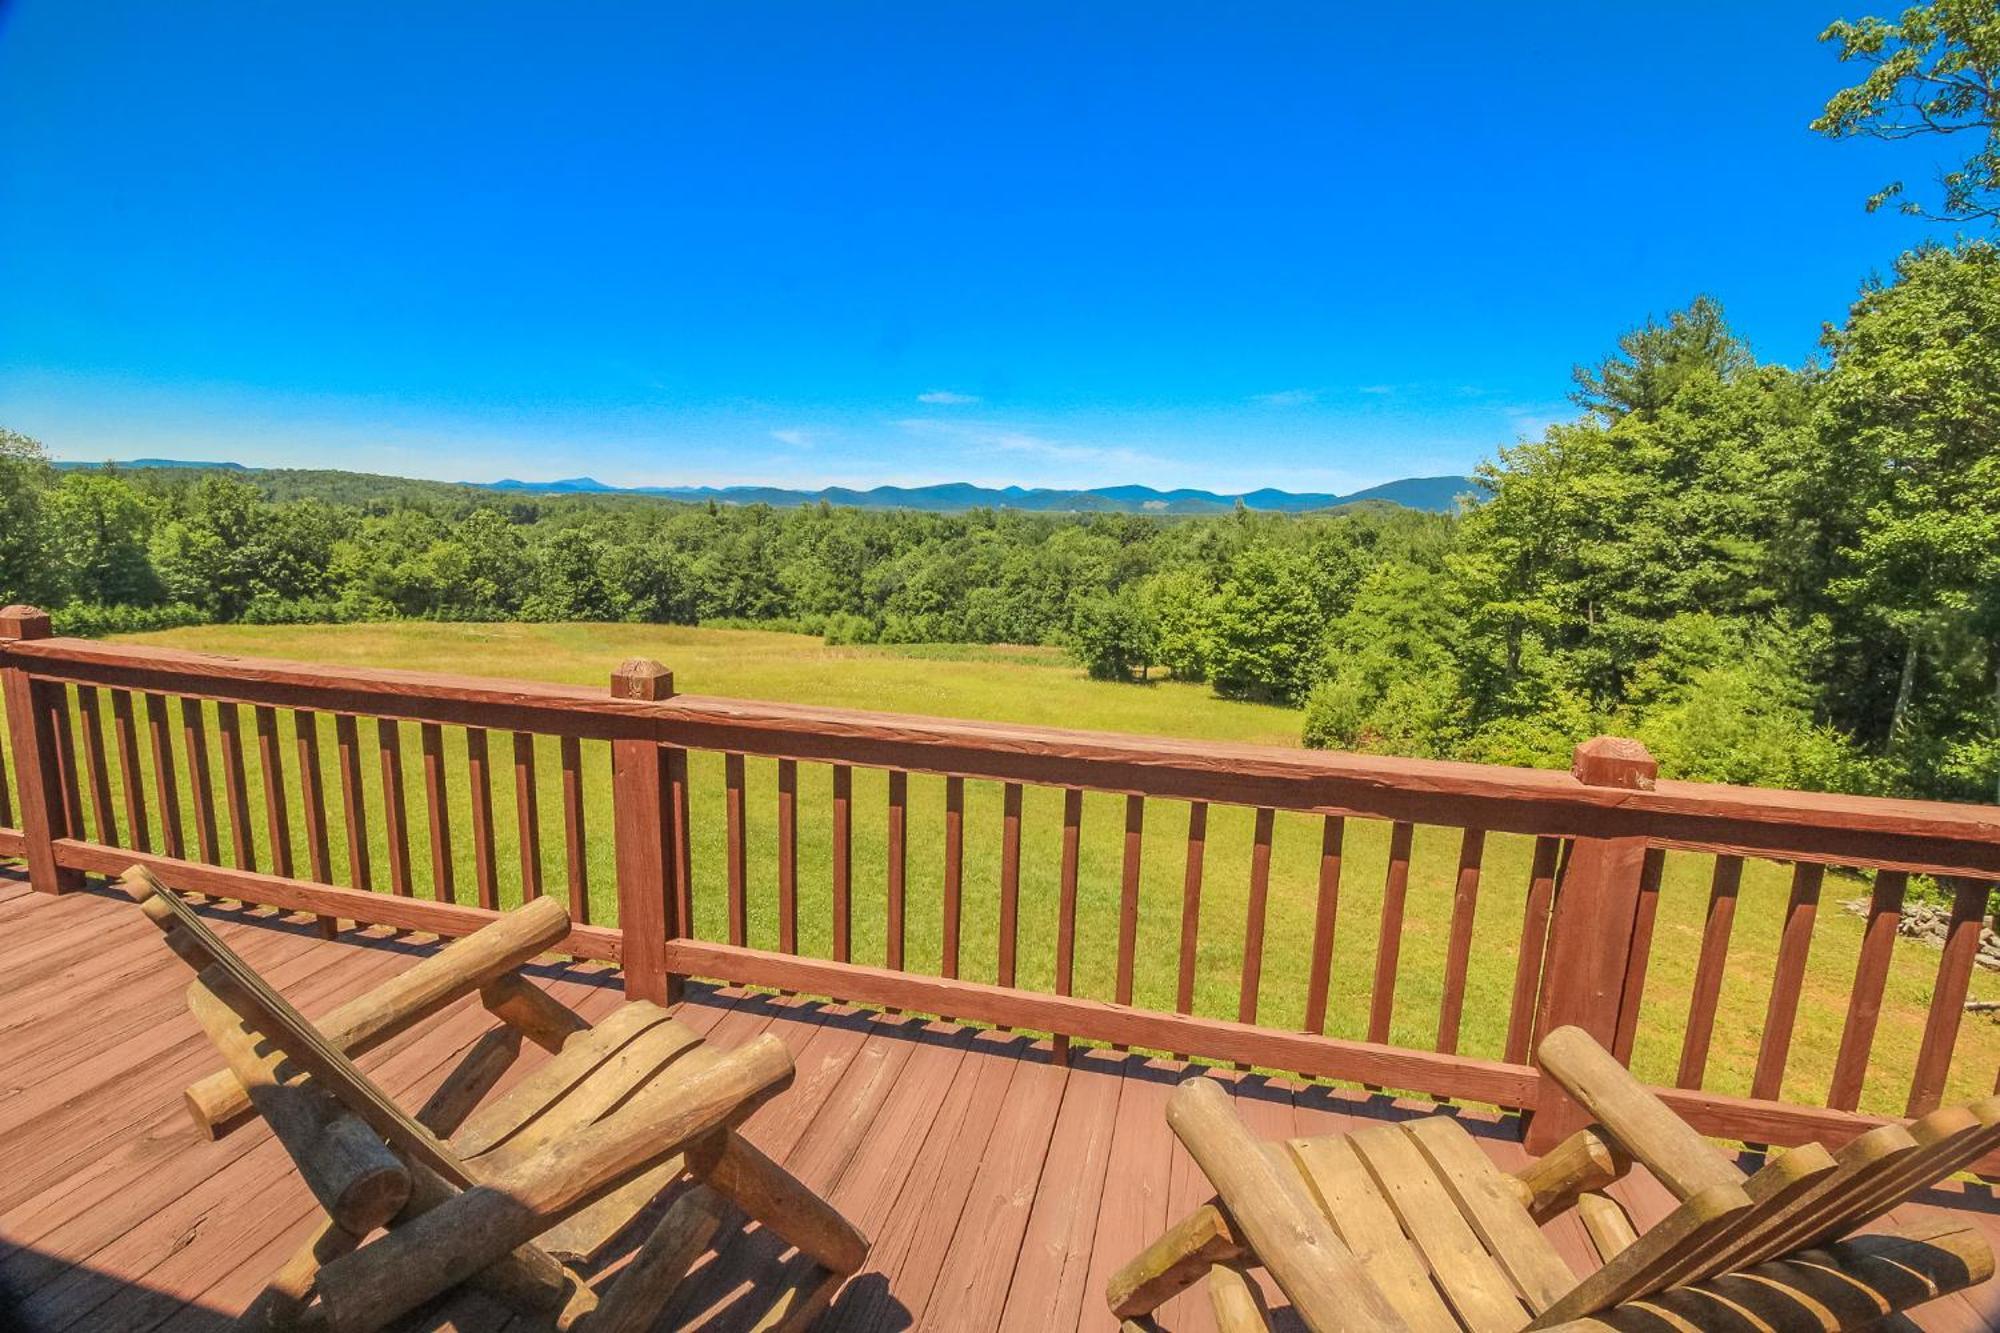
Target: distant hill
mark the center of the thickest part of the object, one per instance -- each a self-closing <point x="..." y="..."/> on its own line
<point x="1437" y="494"/>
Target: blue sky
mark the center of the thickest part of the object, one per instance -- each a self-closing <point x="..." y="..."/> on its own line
<point x="1179" y="244"/>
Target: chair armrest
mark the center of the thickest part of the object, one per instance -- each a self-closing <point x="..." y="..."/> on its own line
<point x="1582" y="1162"/>
<point x="1683" y="1160"/>
<point x="218" y="1102"/>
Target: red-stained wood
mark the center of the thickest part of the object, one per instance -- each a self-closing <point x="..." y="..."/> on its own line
<point x="131" y="777"/>
<point x="479" y="793"/>
<point x="680" y="837"/>
<point x="201" y="787"/>
<point x="1326" y="915"/>
<point x="527" y="816"/>
<point x="1072" y="838"/>
<point x="437" y="810"/>
<point x="312" y="796"/>
<point x="353" y="797"/>
<point x="1864" y="1002"/>
<point x="788" y="856"/>
<point x="843" y="862"/>
<point x="575" y="860"/>
<point x="35" y="722"/>
<point x="1197" y="845"/>
<point x="1219" y="1039"/>
<point x="395" y="806"/>
<point x="1930" y="836"/>
<point x="1781" y="1014"/>
<point x="1010" y="881"/>
<point x="954" y="870"/>
<point x="166" y="777"/>
<point x="6" y="799"/>
<point x="1709" y="970"/>
<point x="643" y="832"/>
<point x="1251" y="983"/>
<point x="1458" y="944"/>
<point x="1389" y="943"/>
<point x="898" y="866"/>
<point x="1128" y="894"/>
<point x="736" y="846"/>
<point x="54" y="698"/>
<point x="1639" y="955"/>
<point x="235" y="785"/>
<point x="277" y="809"/>
<point x="96" y="764"/>
<point x="1954" y="977"/>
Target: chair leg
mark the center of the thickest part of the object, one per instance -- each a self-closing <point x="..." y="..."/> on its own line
<point x="733" y="1167"/>
<point x="636" y="1298"/>
<point x="1239" y="1306"/>
<point x="284" y="1298"/>
<point x="802" y="1300"/>
<point x="1173" y="1263"/>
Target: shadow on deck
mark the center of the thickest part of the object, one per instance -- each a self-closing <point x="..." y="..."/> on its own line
<point x="1000" y="1190"/>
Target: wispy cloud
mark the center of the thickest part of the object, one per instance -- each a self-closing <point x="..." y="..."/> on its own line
<point x="946" y="398"/>
<point x="1287" y="398"/>
<point x="1378" y="389"/>
<point x="985" y="435"/>
<point x="797" y="439"/>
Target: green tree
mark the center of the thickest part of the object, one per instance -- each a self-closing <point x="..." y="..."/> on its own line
<point x="99" y="526"/>
<point x="1266" y="626"/>
<point x="1933" y="72"/>
<point x="27" y="573"/>
<point x="1112" y="636"/>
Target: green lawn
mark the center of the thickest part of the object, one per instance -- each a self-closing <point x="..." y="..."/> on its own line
<point x="1035" y="685"/>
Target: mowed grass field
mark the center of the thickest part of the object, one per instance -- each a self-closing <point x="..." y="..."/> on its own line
<point x="1033" y="685"/>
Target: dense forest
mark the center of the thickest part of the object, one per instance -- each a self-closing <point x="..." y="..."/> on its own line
<point x="1770" y="574"/>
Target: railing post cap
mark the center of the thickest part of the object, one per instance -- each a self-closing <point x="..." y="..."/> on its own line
<point x="23" y="622"/>
<point x="1614" y="761"/>
<point x="642" y="678"/>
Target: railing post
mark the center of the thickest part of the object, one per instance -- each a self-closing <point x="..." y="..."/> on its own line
<point x="34" y="710"/>
<point x="1590" y="933"/>
<point x="643" y="833"/>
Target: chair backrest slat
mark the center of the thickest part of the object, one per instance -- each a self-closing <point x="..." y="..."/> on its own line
<point x="1640" y="1268"/>
<point x="1948" y="1140"/>
<point x="1781" y="1183"/>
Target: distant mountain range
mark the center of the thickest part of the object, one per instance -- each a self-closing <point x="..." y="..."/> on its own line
<point x="1436" y="494"/>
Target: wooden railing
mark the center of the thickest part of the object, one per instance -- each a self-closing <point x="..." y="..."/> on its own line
<point x="119" y="751"/>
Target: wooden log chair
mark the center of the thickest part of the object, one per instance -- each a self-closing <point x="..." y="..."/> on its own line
<point x="1410" y="1226"/>
<point x="514" y="1195"/>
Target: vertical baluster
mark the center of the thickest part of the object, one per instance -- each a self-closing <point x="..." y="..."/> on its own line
<point x="277" y="811"/>
<point x="235" y="784"/>
<point x="1458" y="948"/>
<point x="91" y="723"/>
<point x="1954" y="978"/>
<point x="527" y="815"/>
<point x="788" y="855"/>
<point x="395" y="806"/>
<point x="738" y="835"/>
<point x="166" y="781"/>
<point x="1319" y="982"/>
<point x="1389" y="944"/>
<point x="573" y="837"/>
<point x="6" y="795"/>
<point x="1534" y="942"/>
<point x="898" y="856"/>
<point x="437" y="809"/>
<point x="479" y="784"/>
<point x="353" y="799"/>
<point x="1010" y="880"/>
<point x="1072" y="839"/>
<point x="954" y="870"/>
<point x="1709" y="969"/>
<point x="312" y="800"/>
<point x="55" y="698"/>
<point x="1253" y="926"/>
<point x="843" y="862"/>
<point x="194" y="739"/>
<point x="1783" y="1010"/>
<point x="1639" y="956"/>
<point x="130" y="774"/>
<point x="1864" y="1003"/>
<point x="1128" y="894"/>
<point x="1197" y="846"/>
<point x="681" y="830"/>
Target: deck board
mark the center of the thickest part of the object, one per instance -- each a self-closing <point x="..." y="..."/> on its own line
<point x="1001" y="1189"/>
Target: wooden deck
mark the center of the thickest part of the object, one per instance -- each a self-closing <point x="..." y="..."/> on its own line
<point x="999" y="1189"/>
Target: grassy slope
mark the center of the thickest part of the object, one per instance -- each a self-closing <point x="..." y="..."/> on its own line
<point x="1036" y="686"/>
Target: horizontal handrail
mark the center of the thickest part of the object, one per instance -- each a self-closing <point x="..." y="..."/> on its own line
<point x="1932" y="837"/>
